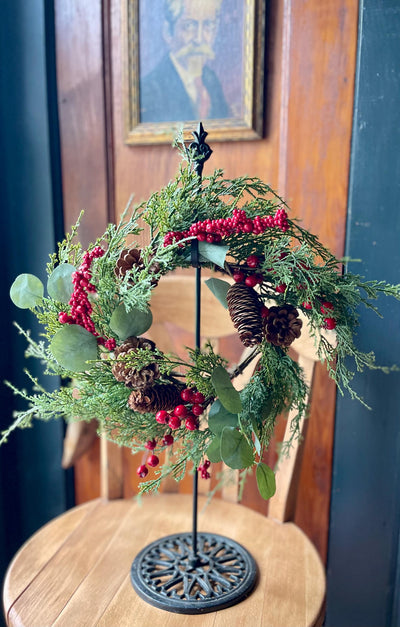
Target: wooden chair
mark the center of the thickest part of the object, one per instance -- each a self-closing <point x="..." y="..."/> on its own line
<point x="75" y="571"/>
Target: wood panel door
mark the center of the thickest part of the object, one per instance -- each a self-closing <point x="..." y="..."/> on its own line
<point x="304" y="155"/>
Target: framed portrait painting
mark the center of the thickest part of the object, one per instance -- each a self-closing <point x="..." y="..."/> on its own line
<point x="187" y="61"/>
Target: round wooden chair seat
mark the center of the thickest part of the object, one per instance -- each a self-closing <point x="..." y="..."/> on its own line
<point x="75" y="571"/>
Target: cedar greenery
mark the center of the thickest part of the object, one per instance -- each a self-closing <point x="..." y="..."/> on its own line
<point x="291" y="259"/>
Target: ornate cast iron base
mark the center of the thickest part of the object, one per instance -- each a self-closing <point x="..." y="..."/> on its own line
<point x="166" y="575"/>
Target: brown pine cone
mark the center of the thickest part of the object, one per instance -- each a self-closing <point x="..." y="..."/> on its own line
<point x="132" y="377"/>
<point x="155" y="398"/>
<point x="130" y="258"/>
<point x="282" y="325"/>
<point x="244" y="306"/>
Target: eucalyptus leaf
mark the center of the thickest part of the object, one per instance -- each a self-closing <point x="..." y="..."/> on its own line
<point x="220" y="289"/>
<point x="265" y="481"/>
<point x="257" y="443"/>
<point x="219" y="417"/>
<point x="225" y="391"/>
<point x="135" y="322"/>
<point x="213" y="451"/>
<point x="27" y="291"/>
<point x="72" y="346"/>
<point x="216" y="253"/>
<point x="59" y="284"/>
<point x="236" y="452"/>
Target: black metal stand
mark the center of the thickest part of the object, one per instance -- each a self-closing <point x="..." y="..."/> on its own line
<point x="191" y="573"/>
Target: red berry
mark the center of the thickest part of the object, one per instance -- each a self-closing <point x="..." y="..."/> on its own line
<point x="174" y="422"/>
<point x="326" y="308"/>
<point x="281" y="288"/>
<point x="150" y="445"/>
<point x="191" y="423"/>
<point x="238" y="277"/>
<point x="197" y="410"/>
<point x="253" y="261"/>
<point x="187" y="395"/>
<point x="180" y="411"/>
<point x="307" y="305"/>
<point x="142" y="471"/>
<point x="251" y="281"/>
<point x="264" y="311"/>
<point x="198" y="397"/>
<point x="206" y="464"/>
<point x="202" y="237"/>
<point x="329" y="323"/>
<point x="168" y="439"/>
<point x="162" y="416"/>
<point x="153" y="461"/>
<point x="110" y="344"/>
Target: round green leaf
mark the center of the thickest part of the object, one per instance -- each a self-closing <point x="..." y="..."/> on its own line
<point x="236" y="452"/>
<point x="225" y="391"/>
<point x="216" y="253"/>
<point x="213" y="451"/>
<point x="59" y="284"/>
<point x="219" y="417"/>
<point x="220" y="289"/>
<point x="265" y="481"/>
<point x="72" y="346"/>
<point x="26" y="291"/>
<point x="135" y="322"/>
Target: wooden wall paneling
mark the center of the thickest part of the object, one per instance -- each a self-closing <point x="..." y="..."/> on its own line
<point x="83" y="136"/>
<point x="80" y="80"/>
<point x="322" y="60"/>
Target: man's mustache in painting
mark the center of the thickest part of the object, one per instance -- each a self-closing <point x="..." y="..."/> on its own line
<point x="196" y="49"/>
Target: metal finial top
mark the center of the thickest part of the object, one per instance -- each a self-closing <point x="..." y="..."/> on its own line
<point x="201" y="151"/>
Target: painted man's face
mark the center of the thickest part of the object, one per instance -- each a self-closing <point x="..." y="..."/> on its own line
<point x="194" y="33"/>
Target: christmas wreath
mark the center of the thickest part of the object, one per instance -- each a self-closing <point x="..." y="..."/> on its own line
<point x="98" y="309"/>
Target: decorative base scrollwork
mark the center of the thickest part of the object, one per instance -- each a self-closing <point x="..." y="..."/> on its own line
<point x="168" y="576"/>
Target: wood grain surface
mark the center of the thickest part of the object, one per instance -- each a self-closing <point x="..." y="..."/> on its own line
<point x="75" y="572"/>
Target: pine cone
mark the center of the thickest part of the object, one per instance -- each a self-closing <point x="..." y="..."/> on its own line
<point x="132" y="377"/>
<point x="282" y="325"/>
<point x="244" y="306"/>
<point x="130" y="258"/>
<point x="155" y="398"/>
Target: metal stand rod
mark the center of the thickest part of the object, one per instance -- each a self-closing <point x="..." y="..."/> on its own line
<point x="195" y="262"/>
<point x="202" y="152"/>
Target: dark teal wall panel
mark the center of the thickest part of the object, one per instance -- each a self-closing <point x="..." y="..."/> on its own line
<point x="32" y="484"/>
<point x="366" y="489"/>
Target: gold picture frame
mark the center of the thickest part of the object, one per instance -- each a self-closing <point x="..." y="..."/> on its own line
<point x="234" y="69"/>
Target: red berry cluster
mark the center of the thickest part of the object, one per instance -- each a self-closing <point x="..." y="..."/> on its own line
<point x="327" y="309"/>
<point x="203" y="469"/>
<point x="245" y="274"/>
<point x="81" y="308"/>
<point x="189" y="412"/>
<point x="213" y="231"/>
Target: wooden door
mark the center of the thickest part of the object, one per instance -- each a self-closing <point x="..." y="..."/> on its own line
<point x="304" y="155"/>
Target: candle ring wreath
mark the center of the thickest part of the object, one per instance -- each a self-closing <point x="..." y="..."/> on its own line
<point x="98" y="308"/>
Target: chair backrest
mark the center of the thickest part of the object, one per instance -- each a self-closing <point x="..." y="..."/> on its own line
<point x="173" y="303"/>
